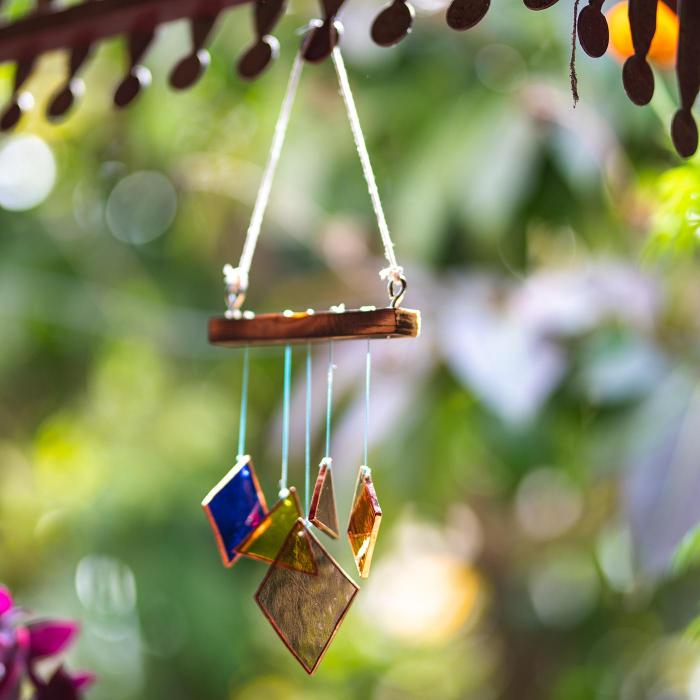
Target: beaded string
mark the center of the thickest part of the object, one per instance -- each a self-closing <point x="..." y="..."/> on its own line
<point x="285" y="419"/>
<point x="243" y="418"/>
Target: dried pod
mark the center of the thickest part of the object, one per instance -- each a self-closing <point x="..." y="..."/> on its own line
<point x="393" y="23"/>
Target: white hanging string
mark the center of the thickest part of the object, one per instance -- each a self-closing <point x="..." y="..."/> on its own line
<point x="236" y="279"/>
<point x="394" y="271"/>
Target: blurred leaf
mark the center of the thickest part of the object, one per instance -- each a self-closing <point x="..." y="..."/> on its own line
<point x="687" y="554"/>
<point x="662" y="483"/>
<point x="692" y="631"/>
<point x="676" y="214"/>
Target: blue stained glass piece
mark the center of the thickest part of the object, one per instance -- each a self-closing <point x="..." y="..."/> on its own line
<point x="235" y="507"/>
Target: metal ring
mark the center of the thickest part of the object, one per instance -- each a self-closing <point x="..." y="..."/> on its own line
<point x="397" y="296"/>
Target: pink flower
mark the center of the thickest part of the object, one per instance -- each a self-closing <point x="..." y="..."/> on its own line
<point x="5" y="601"/>
<point x="21" y="646"/>
<point x="51" y="637"/>
<point x="14" y="652"/>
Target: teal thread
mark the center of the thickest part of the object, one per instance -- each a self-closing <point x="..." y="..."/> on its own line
<point x="243" y="418"/>
<point x="307" y="434"/>
<point x="285" y="416"/>
<point x="329" y="399"/>
<point x="368" y="379"/>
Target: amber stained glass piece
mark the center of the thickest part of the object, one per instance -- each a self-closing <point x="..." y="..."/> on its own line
<point x="235" y="507"/>
<point x="306" y="610"/>
<point x="322" y="512"/>
<point x="365" y="518"/>
<point x="266" y="540"/>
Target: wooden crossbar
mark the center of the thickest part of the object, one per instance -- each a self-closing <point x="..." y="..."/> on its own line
<point x="311" y="327"/>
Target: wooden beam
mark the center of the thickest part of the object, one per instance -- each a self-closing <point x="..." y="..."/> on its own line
<point x="314" y="327"/>
<point x="93" y="20"/>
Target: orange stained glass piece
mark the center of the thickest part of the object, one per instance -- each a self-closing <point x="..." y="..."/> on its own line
<point x="265" y="542"/>
<point x="323" y="513"/>
<point x="306" y="610"/>
<point x="365" y="519"/>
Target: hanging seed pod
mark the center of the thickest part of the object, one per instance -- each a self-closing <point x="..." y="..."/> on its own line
<point x="74" y="87"/>
<point x="138" y="76"/>
<point x="191" y="68"/>
<point x="393" y="23"/>
<point x="324" y="38"/>
<point x="465" y="14"/>
<point x="21" y="102"/>
<point x="266" y="48"/>
<point x="684" y="130"/>
<point x="592" y="29"/>
<point x="539" y="4"/>
<point x="637" y="76"/>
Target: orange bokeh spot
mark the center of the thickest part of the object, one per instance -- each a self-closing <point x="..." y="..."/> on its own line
<point x="663" y="45"/>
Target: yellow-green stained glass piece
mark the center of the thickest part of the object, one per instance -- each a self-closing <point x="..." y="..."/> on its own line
<point x="365" y="519"/>
<point x="265" y="542"/>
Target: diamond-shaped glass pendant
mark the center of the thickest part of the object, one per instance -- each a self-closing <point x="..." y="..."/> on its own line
<point x="266" y="540"/>
<point x="365" y="518"/>
<point x="322" y="512"/>
<point x="235" y="507"/>
<point x="306" y="610"/>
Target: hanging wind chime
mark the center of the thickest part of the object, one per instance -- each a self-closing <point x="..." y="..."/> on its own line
<point x="305" y="594"/>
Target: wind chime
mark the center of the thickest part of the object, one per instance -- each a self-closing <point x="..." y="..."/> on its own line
<point x="305" y="594"/>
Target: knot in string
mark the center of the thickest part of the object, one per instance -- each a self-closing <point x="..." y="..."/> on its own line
<point x="236" y="283"/>
<point x="392" y="273"/>
<point x="396" y="284"/>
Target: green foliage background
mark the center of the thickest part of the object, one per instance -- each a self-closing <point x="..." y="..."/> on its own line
<point x="116" y="416"/>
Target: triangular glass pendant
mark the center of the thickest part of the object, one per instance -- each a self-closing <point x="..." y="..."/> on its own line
<point x="365" y="519"/>
<point x="235" y="507"/>
<point x="306" y="611"/>
<point x="323" y="513"/>
<point x="265" y="542"/>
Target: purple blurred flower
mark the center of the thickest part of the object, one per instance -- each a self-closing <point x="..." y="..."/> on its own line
<point x="22" y="645"/>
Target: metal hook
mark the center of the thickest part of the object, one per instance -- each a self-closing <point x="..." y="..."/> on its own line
<point x="397" y="296"/>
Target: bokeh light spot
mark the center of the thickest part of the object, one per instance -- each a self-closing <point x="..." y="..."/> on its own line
<point x="615" y="557"/>
<point x="436" y="594"/>
<point x="105" y="586"/>
<point x="547" y="504"/>
<point x="500" y="68"/>
<point x="564" y="589"/>
<point x="141" y="207"/>
<point x="27" y="172"/>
